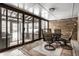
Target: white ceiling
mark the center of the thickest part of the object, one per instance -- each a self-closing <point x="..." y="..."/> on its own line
<point x="63" y="10"/>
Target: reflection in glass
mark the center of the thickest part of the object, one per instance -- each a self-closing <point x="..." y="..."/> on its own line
<point x="36" y="28"/>
<point x="2" y="30"/>
<point x="28" y="29"/>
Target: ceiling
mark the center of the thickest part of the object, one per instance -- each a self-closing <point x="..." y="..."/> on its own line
<point x="62" y="10"/>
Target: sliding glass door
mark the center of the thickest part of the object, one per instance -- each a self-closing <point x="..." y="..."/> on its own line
<point x="17" y="27"/>
<point x="31" y="28"/>
<point x="14" y="28"/>
<point x="28" y="28"/>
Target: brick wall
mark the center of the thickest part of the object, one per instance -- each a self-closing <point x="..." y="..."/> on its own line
<point x="66" y="26"/>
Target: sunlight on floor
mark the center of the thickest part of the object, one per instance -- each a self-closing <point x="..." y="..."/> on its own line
<point x="14" y="52"/>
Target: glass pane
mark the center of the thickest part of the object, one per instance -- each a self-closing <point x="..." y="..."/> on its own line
<point x="15" y="30"/>
<point x="12" y="13"/>
<point x="19" y="28"/>
<point x="3" y="31"/>
<point x="36" y="28"/>
<point x="36" y="10"/>
<point x="30" y="30"/>
<point x="12" y="32"/>
<point x="30" y="10"/>
<point x="3" y="11"/>
<point x="44" y="25"/>
<point x="21" y="5"/>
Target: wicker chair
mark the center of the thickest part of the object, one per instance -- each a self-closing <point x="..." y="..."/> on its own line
<point x="60" y="39"/>
<point x="47" y="37"/>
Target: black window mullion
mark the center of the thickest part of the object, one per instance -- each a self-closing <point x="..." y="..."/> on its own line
<point x="6" y="28"/>
<point x="39" y="28"/>
<point x="0" y="23"/>
<point x="17" y="27"/>
<point x="33" y="28"/>
<point x="27" y="29"/>
<point x="23" y="29"/>
<point x="48" y="24"/>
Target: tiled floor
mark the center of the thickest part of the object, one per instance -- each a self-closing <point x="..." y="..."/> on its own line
<point x="36" y="49"/>
<point x="14" y="52"/>
<point x="75" y="45"/>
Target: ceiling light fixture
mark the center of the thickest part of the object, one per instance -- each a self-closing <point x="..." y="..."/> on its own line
<point x="52" y="9"/>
